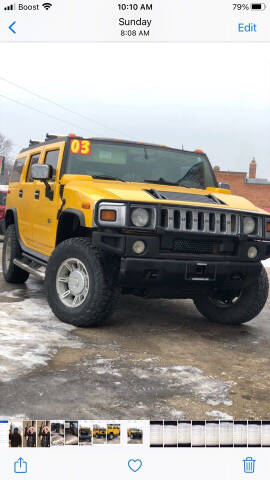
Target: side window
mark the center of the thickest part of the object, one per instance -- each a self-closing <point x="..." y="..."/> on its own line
<point x="33" y="160"/>
<point x="17" y="170"/>
<point x="51" y="158"/>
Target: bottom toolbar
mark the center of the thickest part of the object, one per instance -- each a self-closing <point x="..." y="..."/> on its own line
<point x="74" y="463"/>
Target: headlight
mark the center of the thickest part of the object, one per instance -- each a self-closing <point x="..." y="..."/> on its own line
<point x="249" y="225"/>
<point x="140" y="217"/>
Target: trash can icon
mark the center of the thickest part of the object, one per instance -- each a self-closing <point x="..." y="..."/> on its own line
<point x="249" y="465"/>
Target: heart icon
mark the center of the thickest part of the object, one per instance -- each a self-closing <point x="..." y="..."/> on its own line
<point x="134" y="465"/>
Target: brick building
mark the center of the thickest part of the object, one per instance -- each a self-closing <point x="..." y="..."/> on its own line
<point x="257" y="190"/>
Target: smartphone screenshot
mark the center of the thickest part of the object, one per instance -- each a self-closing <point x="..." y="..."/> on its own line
<point x="134" y="239"/>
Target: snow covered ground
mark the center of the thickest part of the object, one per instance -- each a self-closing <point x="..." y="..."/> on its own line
<point x="30" y="334"/>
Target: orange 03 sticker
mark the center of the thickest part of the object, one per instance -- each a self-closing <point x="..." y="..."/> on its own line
<point x="82" y="147"/>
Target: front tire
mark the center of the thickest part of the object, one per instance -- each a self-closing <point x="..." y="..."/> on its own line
<point x="238" y="308"/>
<point x="12" y="250"/>
<point x="81" y="285"/>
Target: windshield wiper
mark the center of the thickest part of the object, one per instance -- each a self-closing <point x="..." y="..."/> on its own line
<point x="185" y="186"/>
<point x="162" y="181"/>
<point x="107" y="177"/>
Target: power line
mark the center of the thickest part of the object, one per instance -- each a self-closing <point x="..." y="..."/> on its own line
<point x="43" y="113"/>
<point x="85" y="117"/>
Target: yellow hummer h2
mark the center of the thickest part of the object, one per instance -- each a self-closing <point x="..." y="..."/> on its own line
<point x="96" y="217"/>
<point x="113" y="431"/>
<point x="99" y="432"/>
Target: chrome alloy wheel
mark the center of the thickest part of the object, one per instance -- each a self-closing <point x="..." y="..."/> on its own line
<point x="72" y="282"/>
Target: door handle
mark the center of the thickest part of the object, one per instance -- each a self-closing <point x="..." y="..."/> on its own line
<point x="20" y="193"/>
<point x="37" y="193"/>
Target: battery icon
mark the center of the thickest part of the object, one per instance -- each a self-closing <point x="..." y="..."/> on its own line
<point x="258" y="6"/>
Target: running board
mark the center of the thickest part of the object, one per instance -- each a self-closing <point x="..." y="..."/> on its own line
<point x="27" y="268"/>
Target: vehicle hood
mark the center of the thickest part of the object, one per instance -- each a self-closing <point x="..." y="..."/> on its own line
<point x="145" y="192"/>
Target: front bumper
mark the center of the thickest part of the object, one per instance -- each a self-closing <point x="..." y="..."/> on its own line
<point x="185" y="276"/>
<point x="165" y="271"/>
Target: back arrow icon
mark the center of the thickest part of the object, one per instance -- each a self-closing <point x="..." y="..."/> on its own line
<point x="10" y="27"/>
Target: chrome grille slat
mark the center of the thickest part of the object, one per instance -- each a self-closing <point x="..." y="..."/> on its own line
<point x="228" y="224"/>
<point x="183" y="217"/>
<point x="195" y="221"/>
<point x="200" y="221"/>
<point x="170" y="219"/>
<point x="206" y="222"/>
<point x="217" y="223"/>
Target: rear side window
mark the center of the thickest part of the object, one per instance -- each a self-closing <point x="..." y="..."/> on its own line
<point x="3" y="197"/>
<point x="51" y="158"/>
<point x="33" y="160"/>
<point x="17" y="170"/>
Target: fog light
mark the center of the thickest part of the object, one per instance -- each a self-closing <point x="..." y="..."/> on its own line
<point x="252" y="252"/>
<point x="138" y="247"/>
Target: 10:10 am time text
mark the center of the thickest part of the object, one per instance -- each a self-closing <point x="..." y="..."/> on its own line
<point x="135" y="6"/>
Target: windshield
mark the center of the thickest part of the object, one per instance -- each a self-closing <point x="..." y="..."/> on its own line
<point x="139" y="163"/>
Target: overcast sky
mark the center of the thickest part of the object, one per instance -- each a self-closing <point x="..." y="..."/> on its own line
<point x="210" y="96"/>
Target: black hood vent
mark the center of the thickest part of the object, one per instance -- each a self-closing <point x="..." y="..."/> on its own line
<point x="185" y="197"/>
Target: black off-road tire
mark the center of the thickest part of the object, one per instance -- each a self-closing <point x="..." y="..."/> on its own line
<point x="11" y="272"/>
<point x="103" y="294"/>
<point x="250" y="303"/>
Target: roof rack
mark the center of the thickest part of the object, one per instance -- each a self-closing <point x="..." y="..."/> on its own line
<point x="32" y="143"/>
<point x="51" y="137"/>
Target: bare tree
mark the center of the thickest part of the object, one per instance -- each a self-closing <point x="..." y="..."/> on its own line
<point x="5" y="151"/>
<point x="5" y="145"/>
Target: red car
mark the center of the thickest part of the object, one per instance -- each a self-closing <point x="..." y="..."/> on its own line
<point x="3" y="196"/>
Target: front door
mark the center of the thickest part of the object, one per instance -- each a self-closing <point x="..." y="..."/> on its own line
<point x="25" y="201"/>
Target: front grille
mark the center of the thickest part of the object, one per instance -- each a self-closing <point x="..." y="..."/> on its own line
<point x="185" y="220"/>
<point x="203" y="247"/>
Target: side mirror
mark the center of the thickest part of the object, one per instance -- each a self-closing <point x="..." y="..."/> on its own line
<point x="41" y="172"/>
<point x="224" y="186"/>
